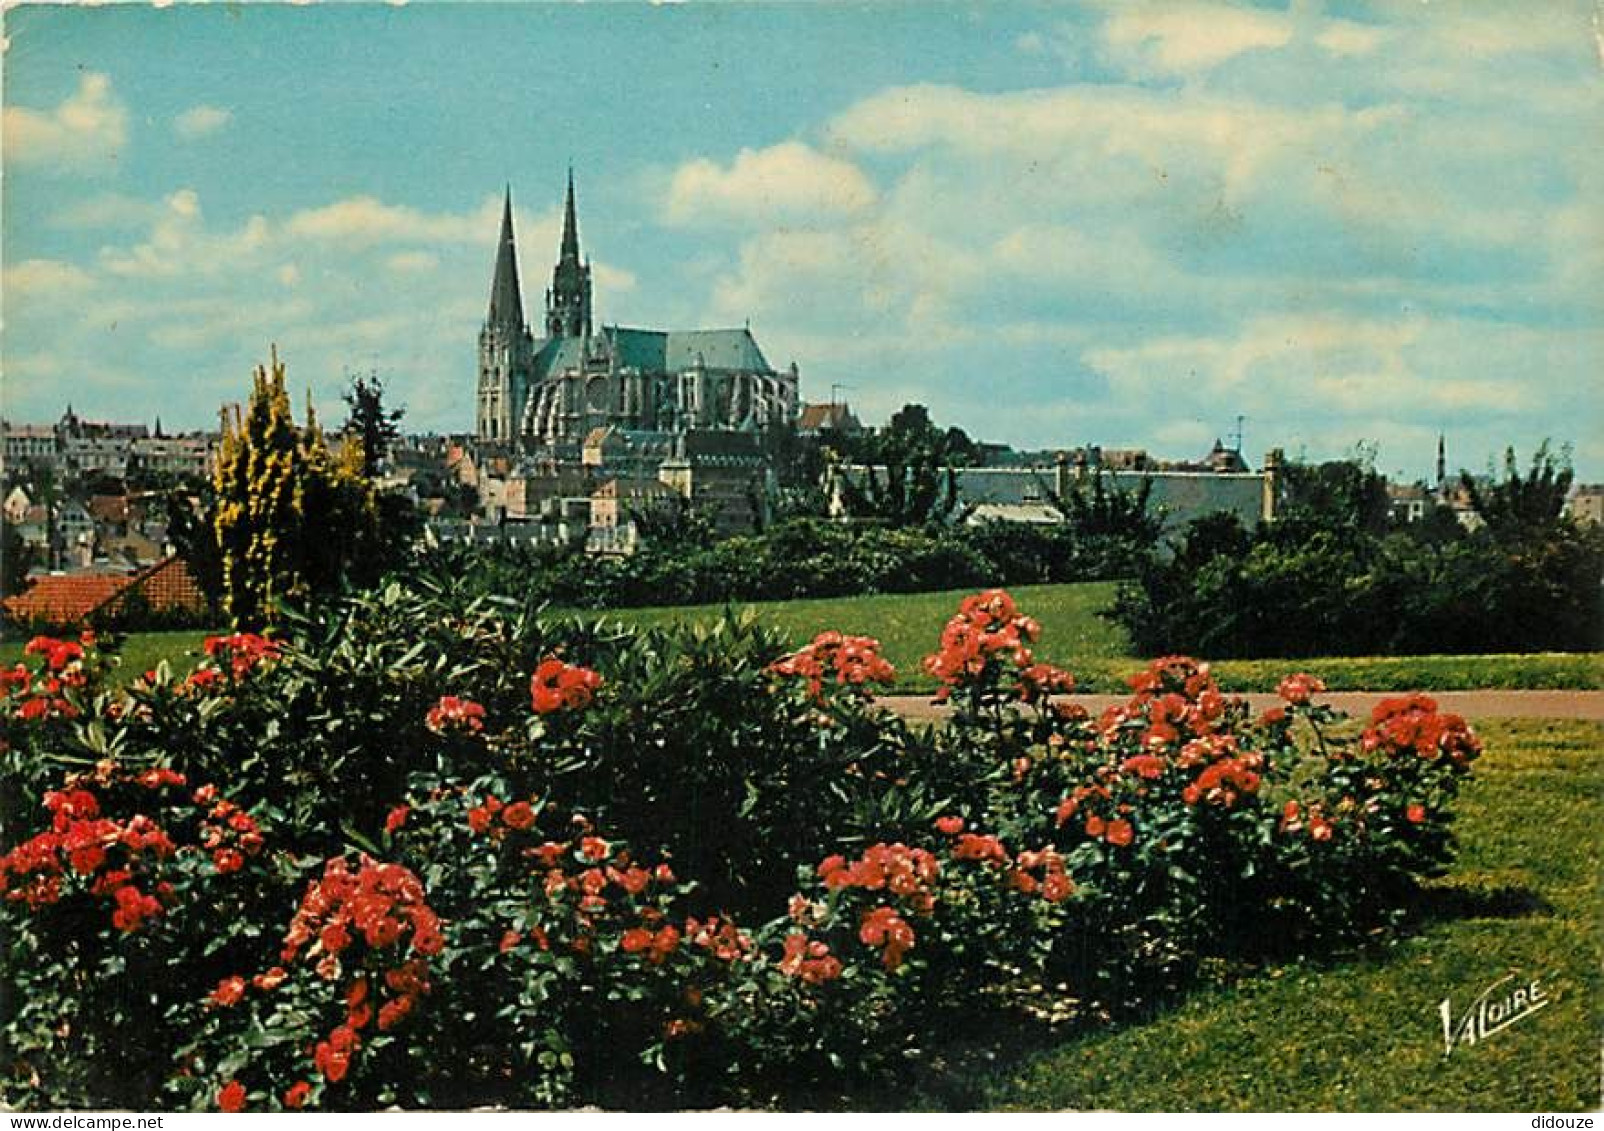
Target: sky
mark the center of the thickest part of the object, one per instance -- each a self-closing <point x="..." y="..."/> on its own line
<point x="1356" y="226"/>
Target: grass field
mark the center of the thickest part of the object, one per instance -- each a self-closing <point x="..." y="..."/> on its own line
<point x="1073" y="636"/>
<point x="1526" y="898"/>
<point x="1097" y="651"/>
<point x="141" y="651"/>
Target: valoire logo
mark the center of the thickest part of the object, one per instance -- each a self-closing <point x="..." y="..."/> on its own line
<point x="1492" y="1011"/>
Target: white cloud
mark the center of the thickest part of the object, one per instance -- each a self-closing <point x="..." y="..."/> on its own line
<point x="45" y="278"/>
<point x="785" y="183"/>
<point x="412" y="262"/>
<point x="363" y="220"/>
<point x="198" y="121"/>
<point x="106" y="210"/>
<point x="84" y="131"/>
<point x="1346" y="39"/>
<point x="1186" y="37"/>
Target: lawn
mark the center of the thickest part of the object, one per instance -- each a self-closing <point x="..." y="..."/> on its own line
<point x="1525" y="898"/>
<point x="1074" y="636"/>
<point x="141" y="651"/>
<point x="908" y="625"/>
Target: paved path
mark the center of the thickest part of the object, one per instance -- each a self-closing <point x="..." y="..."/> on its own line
<point x="1471" y="704"/>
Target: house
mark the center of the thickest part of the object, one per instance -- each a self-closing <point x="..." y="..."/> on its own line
<point x="613" y="507"/>
<point x="1586" y="503"/>
<point x="66" y="600"/>
<point x="16" y="506"/>
<point x="816" y="420"/>
<point x="1407" y="502"/>
<point x="723" y="474"/>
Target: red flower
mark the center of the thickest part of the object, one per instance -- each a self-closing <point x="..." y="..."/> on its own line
<point x="519" y="815"/>
<point x="452" y="713"/>
<point x="1299" y="689"/>
<point x="396" y="818"/>
<point x="556" y="685"/>
<point x="392" y="1013"/>
<point x="232" y="1097"/>
<point x="1119" y="832"/>
<point x="883" y="927"/>
<point x="1415" y="814"/>
<point x="1143" y="765"/>
<point x="594" y="848"/>
<point x="296" y="1097"/>
<point x="811" y="962"/>
<point x="1094" y="825"/>
<point x="951" y="826"/>
<point x="848" y="661"/>
<point x="228" y="992"/>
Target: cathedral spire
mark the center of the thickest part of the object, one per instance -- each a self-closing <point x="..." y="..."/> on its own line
<point x="570" y="247"/>
<point x="506" y="305"/>
<point x="568" y="300"/>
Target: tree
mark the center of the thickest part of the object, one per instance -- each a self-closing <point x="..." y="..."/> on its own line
<point x="16" y="557"/>
<point x="911" y="490"/>
<point x="369" y="422"/>
<point x="1097" y="510"/>
<point x="1522" y="508"/>
<point x="291" y="518"/>
<point x="1344" y="494"/>
<point x="192" y="530"/>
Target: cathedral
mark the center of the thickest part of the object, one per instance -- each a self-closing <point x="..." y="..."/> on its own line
<point x="549" y="392"/>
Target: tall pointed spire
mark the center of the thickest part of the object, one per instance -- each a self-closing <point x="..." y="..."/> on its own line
<point x="506" y="303"/>
<point x="570" y="248"/>
<point x="568" y="300"/>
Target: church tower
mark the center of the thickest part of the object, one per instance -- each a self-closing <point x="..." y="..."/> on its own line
<point x="568" y="301"/>
<point x="506" y="348"/>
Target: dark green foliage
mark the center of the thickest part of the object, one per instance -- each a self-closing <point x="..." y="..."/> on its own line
<point x="192" y="531"/>
<point x="799" y="557"/>
<point x="1521" y="509"/>
<point x="1329" y="578"/>
<point x="377" y="428"/>
<point x="16" y="559"/>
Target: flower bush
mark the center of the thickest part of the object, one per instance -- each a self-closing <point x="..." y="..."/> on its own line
<point x="427" y="851"/>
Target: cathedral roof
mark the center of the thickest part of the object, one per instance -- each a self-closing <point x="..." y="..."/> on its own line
<point x="658" y="351"/>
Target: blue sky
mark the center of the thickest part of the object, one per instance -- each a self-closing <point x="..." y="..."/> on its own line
<point x="1054" y="224"/>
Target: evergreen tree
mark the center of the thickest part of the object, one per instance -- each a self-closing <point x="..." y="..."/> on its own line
<point x="368" y="421"/>
<point x="291" y="518"/>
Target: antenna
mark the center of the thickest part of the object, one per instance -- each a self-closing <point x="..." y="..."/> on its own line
<point x="833" y="388"/>
<point x="1237" y="436"/>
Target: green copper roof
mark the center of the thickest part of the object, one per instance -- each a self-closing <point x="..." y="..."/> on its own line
<point x="658" y="351"/>
<point x="717" y="349"/>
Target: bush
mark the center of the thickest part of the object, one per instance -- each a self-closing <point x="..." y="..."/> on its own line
<point x="1305" y="591"/>
<point x="794" y="559"/>
<point x="437" y="851"/>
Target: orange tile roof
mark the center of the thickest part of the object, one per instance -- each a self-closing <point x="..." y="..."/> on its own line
<point x="66" y="598"/>
<point x="71" y="599"/>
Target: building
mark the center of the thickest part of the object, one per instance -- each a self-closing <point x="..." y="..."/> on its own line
<point x="1024" y="492"/>
<point x="1586" y="503"/>
<point x="1408" y="502"/>
<point x="551" y="392"/>
<point x="817" y="421"/>
<point x="68" y="600"/>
